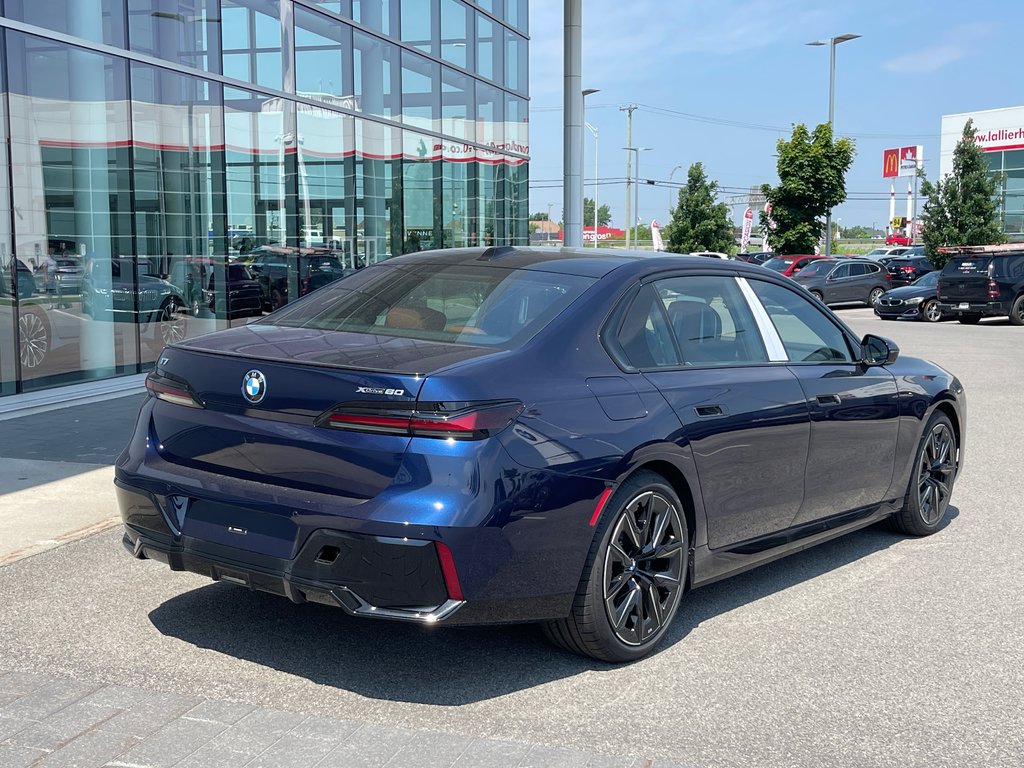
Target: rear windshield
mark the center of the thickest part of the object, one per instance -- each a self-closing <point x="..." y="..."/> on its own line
<point x="817" y="267"/>
<point x="456" y="303"/>
<point x="779" y="263"/>
<point x="967" y="265"/>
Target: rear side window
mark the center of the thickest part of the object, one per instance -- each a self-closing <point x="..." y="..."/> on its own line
<point x="460" y="303"/>
<point x="970" y="265"/>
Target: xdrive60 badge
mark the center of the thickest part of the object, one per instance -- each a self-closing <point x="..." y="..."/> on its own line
<point x="254" y="386"/>
<point x="379" y="391"/>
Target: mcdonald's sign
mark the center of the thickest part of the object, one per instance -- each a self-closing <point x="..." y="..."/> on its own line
<point x="890" y="163"/>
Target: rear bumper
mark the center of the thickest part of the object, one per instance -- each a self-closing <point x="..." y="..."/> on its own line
<point x="375" y="576"/>
<point x="968" y="307"/>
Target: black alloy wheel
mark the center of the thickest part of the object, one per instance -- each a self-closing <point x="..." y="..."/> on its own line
<point x="931" y="484"/>
<point x="931" y="312"/>
<point x="634" y="576"/>
<point x="1017" y="311"/>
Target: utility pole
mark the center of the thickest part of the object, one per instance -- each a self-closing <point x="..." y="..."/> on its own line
<point x="628" y="109"/>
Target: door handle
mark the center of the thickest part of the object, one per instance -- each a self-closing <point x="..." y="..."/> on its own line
<point x="709" y="410"/>
<point x="829" y="400"/>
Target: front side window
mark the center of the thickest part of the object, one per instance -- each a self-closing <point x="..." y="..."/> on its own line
<point x="462" y="304"/>
<point x="807" y="333"/>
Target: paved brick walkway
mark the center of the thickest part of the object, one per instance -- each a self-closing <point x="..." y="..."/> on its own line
<point x="53" y="722"/>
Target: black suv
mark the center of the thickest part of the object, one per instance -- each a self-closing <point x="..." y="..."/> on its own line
<point x="908" y="268"/>
<point x="984" y="281"/>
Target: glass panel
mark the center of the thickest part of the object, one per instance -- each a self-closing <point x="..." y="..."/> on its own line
<point x="82" y="313"/>
<point x="378" y="157"/>
<point x="340" y="7"/>
<point x="376" y="74"/>
<point x="379" y="15"/>
<point x="517" y="14"/>
<point x="490" y="114"/>
<point x="101" y="21"/>
<point x="326" y="147"/>
<point x="491" y="203"/>
<point x="321" y="52"/>
<point x="457" y="113"/>
<point x="251" y="38"/>
<point x="456" y="208"/>
<point x="517" y="125"/>
<point x="995" y="160"/>
<point x="421" y="102"/>
<point x="421" y="168"/>
<point x="185" y="32"/>
<point x="489" y="44"/>
<point x="417" y="24"/>
<point x="519" y="202"/>
<point x="807" y="334"/>
<point x="8" y="269"/>
<point x="516" y="69"/>
<point x="1013" y="159"/>
<point x="180" y="224"/>
<point x="493" y="6"/>
<point x="456" y="21"/>
<point x="645" y="335"/>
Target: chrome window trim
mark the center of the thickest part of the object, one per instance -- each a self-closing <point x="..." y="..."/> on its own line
<point x="769" y="333"/>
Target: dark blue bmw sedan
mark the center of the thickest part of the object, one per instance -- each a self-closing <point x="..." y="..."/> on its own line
<point x="509" y="434"/>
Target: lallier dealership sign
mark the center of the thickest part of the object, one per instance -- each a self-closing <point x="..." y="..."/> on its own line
<point x="903" y="161"/>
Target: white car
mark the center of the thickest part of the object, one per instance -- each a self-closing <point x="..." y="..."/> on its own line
<point x="880" y="253"/>
<point x="710" y="254"/>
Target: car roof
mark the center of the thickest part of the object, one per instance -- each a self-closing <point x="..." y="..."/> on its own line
<point x="574" y="261"/>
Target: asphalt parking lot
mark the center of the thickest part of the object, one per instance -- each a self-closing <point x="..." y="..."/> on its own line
<point x="871" y="650"/>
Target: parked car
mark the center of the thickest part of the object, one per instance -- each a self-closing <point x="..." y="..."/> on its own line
<point x="842" y="281"/>
<point x="23" y="281"/>
<point x="984" y="281"/>
<point x="273" y="267"/>
<point x="512" y="434"/>
<point x="906" y="270"/>
<point x="109" y="292"/>
<point x="917" y="301"/>
<point x="197" y="280"/>
<point x="789" y="265"/>
<point x="897" y="238"/>
<point x="757" y="257"/>
<point x="880" y="253"/>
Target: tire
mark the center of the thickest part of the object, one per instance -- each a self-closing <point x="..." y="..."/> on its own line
<point x="171" y="321"/>
<point x="625" y="603"/>
<point x="818" y="295"/>
<point x="1017" y="311"/>
<point x="931" y="312"/>
<point x="931" y="480"/>
<point x="969" y="319"/>
<point x="34" y="337"/>
<point x="875" y="295"/>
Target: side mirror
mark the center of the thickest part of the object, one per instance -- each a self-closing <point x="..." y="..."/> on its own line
<point x="876" y="350"/>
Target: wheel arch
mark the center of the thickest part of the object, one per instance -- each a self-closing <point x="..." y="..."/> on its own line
<point x="946" y="407"/>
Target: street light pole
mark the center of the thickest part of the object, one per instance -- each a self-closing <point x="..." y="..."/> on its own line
<point x="832" y="42"/>
<point x="636" y="192"/>
<point x="628" y="109"/>
<point x="549" y="222"/>
<point x="670" y="175"/>
<point x="593" y="130"/>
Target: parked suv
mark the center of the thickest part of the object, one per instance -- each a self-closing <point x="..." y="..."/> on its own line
<point x="984" y="281"/>
<point x="906" y="270"/>
<point x="837" y="281"/>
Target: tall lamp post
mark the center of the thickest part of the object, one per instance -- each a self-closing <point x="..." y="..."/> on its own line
<point x="636" y="189"/>
<point x="831" y="42"/>
<point x="593" y="130"/>
<point x="670" y="175"/>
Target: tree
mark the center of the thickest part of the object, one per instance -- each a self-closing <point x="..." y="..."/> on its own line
<point x="812" y="181"/>
<point x="604" y="214"/>
<point x="698" y="223"/>
<point x="963" y="208"/>
<point x="538" y="216"/>
<point x="858" y="232"/>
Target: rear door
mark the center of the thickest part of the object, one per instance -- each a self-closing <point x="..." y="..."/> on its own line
<point x="745" y="418"/>
<point x="838" y="285"/>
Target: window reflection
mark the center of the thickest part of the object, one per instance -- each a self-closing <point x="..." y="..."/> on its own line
<point x="489" y="45"/>
<point x="417" y="23"/>
<point x="456" y="21"/>
<point x="251" y="40"/>
<point x="69" y="118"/>
<point x="185" y="32"/>
<point x="457" y="99"/>
<point x="376" y="76"/>
<point x="100" y="21"/>
<point x="421" y="105"/>
<point x="322" y="48"/>
<point x="379" y="15"/>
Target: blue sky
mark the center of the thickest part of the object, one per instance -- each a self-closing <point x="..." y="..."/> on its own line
<point x="743" y="67"/>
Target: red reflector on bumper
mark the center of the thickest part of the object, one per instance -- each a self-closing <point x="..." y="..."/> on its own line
<point x="451" y="576"/>
<point x="601" y="501"/>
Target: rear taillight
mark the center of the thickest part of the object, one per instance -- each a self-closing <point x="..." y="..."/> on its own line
<point x="888" y="276"/>
<point x="172" y="389"/>
<point x="461" y="421"/>
<point x="993" y="289"/>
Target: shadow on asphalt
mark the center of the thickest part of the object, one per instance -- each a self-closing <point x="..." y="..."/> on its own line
<point x="455" y="665"/>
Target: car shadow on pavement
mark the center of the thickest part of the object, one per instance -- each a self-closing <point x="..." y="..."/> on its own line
<point x="449" y="666"/>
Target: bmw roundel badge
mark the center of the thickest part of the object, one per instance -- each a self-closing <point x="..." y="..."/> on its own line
<point x="254" y="386"/>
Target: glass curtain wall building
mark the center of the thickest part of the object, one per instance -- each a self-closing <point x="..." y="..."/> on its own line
<point x="174" y="167"/>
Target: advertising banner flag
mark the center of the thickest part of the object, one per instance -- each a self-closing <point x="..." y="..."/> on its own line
<point x="659" y="244"/>
<point x="748" y="223"/>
